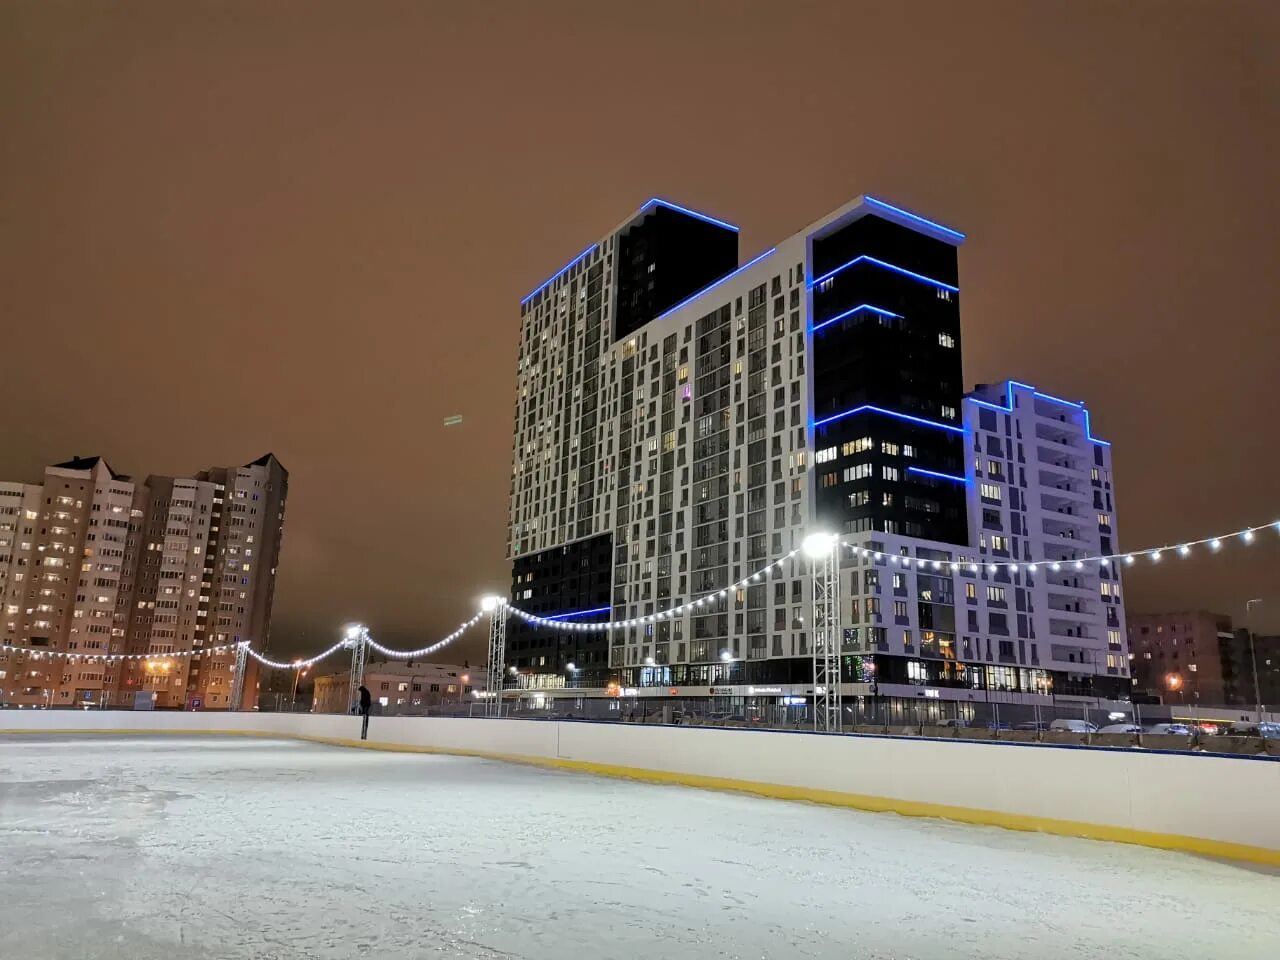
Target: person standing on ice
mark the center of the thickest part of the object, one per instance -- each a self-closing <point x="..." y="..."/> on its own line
<point x="366" y="704"/>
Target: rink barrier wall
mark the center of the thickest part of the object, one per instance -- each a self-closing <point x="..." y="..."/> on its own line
<point x="1209" y="804"/>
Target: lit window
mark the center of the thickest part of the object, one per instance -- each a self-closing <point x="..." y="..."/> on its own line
<point x="990" y="491"/>
<point x="946" y="340"/>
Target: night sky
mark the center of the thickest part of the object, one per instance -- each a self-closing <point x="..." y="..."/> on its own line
<point x="231" y="228"/>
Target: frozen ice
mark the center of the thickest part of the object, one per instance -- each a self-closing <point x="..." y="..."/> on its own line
<point x="166" y="847"/>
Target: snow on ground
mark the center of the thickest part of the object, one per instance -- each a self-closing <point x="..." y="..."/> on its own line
<point x="145" y="848"/>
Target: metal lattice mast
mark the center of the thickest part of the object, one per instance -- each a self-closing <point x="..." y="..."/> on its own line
<point x="358" y="640"/>
<point x="496" y="608"/>
<point x="238" y="675"/>
<point x="823" y="551"/>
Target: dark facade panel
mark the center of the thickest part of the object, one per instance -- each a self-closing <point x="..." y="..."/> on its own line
<point x="665" y="256"/>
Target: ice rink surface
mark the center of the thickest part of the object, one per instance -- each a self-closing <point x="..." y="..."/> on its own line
<point x="145" y="848"/>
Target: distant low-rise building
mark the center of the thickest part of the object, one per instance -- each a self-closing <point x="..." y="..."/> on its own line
<point x="402" y="686"/>
<point x="1196" y="657"/>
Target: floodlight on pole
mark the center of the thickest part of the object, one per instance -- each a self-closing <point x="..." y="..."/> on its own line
<point x="496" y="609"/>
<point x="816" y="546"/>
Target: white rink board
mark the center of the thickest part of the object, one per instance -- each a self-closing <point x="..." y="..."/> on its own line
<point x="1212" y="798"/>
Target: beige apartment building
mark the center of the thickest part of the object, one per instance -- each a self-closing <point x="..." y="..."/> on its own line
<point x="93" y="562"/>
<point x="402" y="687"/>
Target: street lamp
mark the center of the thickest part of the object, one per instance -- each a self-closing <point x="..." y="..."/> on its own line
<point x="1253" y="656"/>
<point x="1174" y="682"/>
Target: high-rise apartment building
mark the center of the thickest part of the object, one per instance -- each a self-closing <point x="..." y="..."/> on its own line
<point x="94" y="563"/>
<point x="681" y="422"/>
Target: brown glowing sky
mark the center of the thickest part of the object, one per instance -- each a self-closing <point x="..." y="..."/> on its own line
<point x="227" y="228"/>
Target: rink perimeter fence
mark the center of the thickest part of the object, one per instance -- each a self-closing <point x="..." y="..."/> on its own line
<point x="1209" y="803"/>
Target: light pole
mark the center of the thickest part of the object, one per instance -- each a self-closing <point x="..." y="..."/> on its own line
<point x="823" y="552"/>
<point x="1253" y="656"/>
<point x="297" y="673"/>
<point x="495" y="608"/>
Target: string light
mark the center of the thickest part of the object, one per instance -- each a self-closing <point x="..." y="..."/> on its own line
<point x="295" y="664"/>
<point x="431" y="648"/>
<point x="38" y="653"/>
<point x="1247" y="535"/>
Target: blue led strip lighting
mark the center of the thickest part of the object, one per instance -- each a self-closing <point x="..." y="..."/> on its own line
<point x="711" y="286"/>
<point x="956" y="234"/>
<point x="869" y="408"/>
<point x="934" y="473"/>
<point x="578" y="613"/>
<point x="887" y="266"/>
<point x="551" y="279"/>
<point x="860" y="307"/>
<point x="1008" y="406"/>
<point x="659" y="202"/>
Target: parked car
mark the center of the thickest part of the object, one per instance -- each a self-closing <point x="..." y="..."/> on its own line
<point x="956" y="722"/>
<point x="1038" y="726"/>
<point x="1120" y="728"/>
<point x="1250" y="728"/>
<point x="1175" y="729"/>
<point x="1073" y="726"/>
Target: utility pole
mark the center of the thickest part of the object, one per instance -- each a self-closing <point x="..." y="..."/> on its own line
<point x="1253" y="655"/>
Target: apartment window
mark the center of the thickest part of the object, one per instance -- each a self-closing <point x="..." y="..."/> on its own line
<point x="946" y="340"/>
<point x="861" y="445"/>
<point x="825" y="454"/>
<point x="995" y="594"/>
<point x="900" y="608"/>
<point x="889" y="473"/>
<point x="859" y="471"/>
<point x="990" y="491"/>
<point x="948" y="412"/>
<point x="890" y="448"/>
<point x="1000" y="543"/>
<point x="971" y="591"/>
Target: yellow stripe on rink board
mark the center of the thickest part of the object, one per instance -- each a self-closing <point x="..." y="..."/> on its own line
<point x="907" y="808"/>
